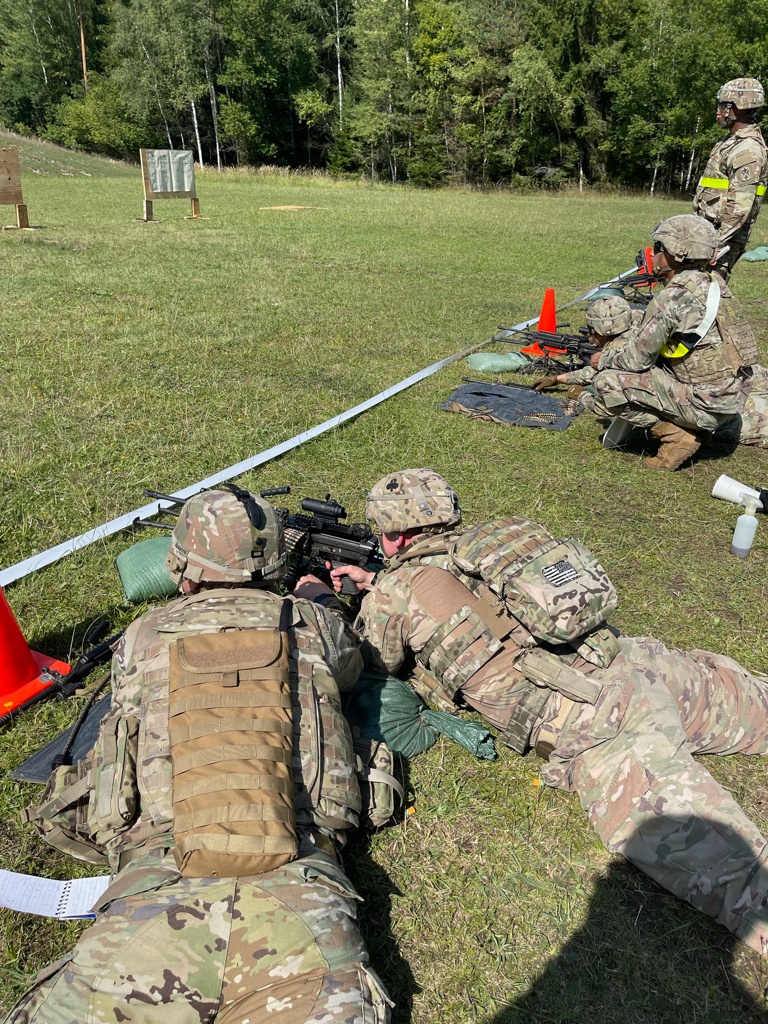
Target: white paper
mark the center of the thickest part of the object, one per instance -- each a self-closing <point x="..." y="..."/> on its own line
<point x="51" y="897"/>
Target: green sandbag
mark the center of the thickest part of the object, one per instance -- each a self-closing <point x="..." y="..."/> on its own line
<point x="497" y="362"/>
<point x="472" y="735"/>
<point x="385" y="708"/>
<point x="756" y="255"/>
<point x="142" y="570"/>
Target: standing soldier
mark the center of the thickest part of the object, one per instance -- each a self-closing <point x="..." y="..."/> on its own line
<point x="222" y="779"/>
<point x="617" y="718"/>
<point x="685" y="370"/>
<point x="732" y="187"/>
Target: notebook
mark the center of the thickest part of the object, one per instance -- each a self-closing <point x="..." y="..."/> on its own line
<point x="50" y="897"/>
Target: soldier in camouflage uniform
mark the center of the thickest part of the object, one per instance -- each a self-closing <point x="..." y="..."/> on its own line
<point x="732" y="187"/>
<point x="611" y="322"/>
<point x="686" y="368"/>
<point x="281" y="944"/>
<point x="626" y="748"/>
<point x="750" y="426"/>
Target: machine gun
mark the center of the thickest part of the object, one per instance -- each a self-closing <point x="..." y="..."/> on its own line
<point x="311" y="539"/>
<point x="547" y="348"/>
<point x="317" y="538"/>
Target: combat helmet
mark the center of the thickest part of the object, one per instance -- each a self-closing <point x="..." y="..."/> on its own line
<point x="744" y="93"/>
<point x="686" y="237"/>
<point x="611" y="315"/>
<point x="229" y="536"/>
<point x="412" y="498"/>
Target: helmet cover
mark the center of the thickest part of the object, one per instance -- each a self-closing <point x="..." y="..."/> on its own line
<point x="743" y="93"/>
<point x="222" y="538"/>
<point x="412" y="498"/>
<point x="686" y="237"/>
<point x="610" y="315"/>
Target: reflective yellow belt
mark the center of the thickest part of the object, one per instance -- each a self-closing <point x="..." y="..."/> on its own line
<point x="724" y="183"/>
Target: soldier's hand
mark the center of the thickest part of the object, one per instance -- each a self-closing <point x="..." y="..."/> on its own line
<point x="362" y="579"/>
<point x="310" y="587"/>
<point x="546" y="382"/>
<point x="594" y="360"/>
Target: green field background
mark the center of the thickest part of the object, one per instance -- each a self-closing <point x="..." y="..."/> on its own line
<point x="152" y="355"/>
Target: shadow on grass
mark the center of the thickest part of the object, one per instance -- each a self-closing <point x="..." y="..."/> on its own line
<point x="377" y="889"/>
<point x="642" y="957"/>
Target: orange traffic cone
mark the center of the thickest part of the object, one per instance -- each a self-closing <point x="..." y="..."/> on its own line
<point x="23" y="673"/>
<point x="547" y="322"/>
<point x="548" y="314"/>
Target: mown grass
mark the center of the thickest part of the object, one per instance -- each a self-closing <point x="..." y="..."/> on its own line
<point x="140" y="355"/>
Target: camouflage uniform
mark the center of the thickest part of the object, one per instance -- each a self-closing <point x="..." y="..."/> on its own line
<point x="639" y="384"/>
<point x="614" y="319"/>
<point x="628" y="755"/>
<point x="731" y="190"/>
<point x="282" y="944"/>
<point x="750" y="426"/>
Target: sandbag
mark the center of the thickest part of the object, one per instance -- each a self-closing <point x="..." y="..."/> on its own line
<point x="497" y="362"/>
<point x="756" y="255"/>
<point x="142" y="570"/>
<point x="386" y="708"/>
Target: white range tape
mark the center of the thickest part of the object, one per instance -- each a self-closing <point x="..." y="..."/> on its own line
<point x="30" y="565"/>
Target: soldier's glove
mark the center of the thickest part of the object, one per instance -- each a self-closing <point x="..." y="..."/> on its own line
<point x="545" y="383"/>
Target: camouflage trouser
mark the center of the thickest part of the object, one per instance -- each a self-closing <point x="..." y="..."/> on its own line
<point x="737" y="247"/>
<point x="646" y="399"/>
<point x="282" y="946"/>
<point x="629" y="757"/>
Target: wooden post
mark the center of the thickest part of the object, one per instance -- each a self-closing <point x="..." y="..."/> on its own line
<point x="195" y="207"/>
<point x="148" y="210"/>
<point x="22" y="217"/>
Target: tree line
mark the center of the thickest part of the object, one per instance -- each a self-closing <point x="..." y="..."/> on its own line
<point x="427" y="91"/>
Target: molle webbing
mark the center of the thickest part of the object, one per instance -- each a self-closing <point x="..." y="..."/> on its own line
<point x="231" y="734"/>
<point x="446" y="653"/>
<point x="547" y="673"/>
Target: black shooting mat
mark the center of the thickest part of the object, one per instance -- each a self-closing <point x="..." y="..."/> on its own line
<point x="508" y="404"/>
<point x="38" y="766"/>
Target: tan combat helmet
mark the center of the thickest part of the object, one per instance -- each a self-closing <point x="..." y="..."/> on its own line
<point x="227" y="537"/>
<point x="609" y="316"/>
<point x="412" y="498"/>
<point x="743" y="93"/>
<point x="686" y="237"/>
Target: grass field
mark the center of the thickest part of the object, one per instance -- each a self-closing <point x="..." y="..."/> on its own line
<point x="151" y="355"/>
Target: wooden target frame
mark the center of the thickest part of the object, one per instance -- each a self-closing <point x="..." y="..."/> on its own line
<point x="10" y="185"/>
<point x="163" y="171"/>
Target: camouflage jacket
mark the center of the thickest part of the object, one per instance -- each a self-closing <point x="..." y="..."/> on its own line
<point x="586" y="374"/>
<point x="325" y="660"/>
<point x="732" y="187"/>
<point x="671" y="315"/>
<point x="396" y="627"/>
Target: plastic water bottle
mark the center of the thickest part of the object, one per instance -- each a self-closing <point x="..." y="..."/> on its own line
<point x="746" y="527"/>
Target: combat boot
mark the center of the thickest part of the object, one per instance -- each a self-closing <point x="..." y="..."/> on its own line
<point x="676" y="445"/>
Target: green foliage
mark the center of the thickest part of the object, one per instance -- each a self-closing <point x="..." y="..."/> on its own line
<point x="426" y="91"/>
<point x="99" y="122"/>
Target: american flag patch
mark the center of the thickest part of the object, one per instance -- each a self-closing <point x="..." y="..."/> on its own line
<point x="560" y="573"/>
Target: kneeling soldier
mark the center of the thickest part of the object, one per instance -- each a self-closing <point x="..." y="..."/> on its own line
<point x="610" y="321"/>
<point x="686" y="369"/>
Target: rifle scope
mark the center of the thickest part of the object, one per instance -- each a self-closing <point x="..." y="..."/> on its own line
<point x="328" y="509"/>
